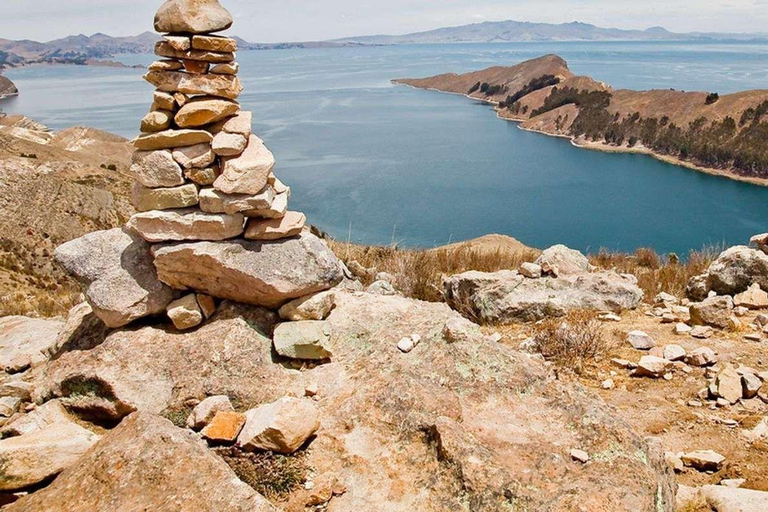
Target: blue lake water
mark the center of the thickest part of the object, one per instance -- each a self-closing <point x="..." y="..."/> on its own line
<point x="377" y="163"/>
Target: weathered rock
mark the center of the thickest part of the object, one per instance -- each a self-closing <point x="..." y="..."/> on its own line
<point x="153" y="369"/>
<point x="156" y="169"/>
<point x="214" y="44"/>
<point x="728" y="384"/>
<point x="290" y="225"/>
<point x="703" y="356"/>
<point x="181" y="43"/>
<point x="170" y="139"/>
<point x="750" y="385"/>
<point x="165" y="65"/>
<point x="674" y="353"/>
<point x="144" y="464"/>
<point x="303" y="340"/>
<point x="162" y="100"/>
<point x="39" y="455"/>
<point x="202" y="177"/>
<point x="197" y="67"/>
<point x="223" y="86"/>
<point x="186" y="224"/>
<point x="507" y="297"/>
<point x="198" y="156"/>
<point x="461" y="330"/>
<point x="381" y="288"/>
<point x="568" y="261"/>
<point x="192" y="16"/>
<point x="714" y="311"/>
<point x="283" y="426"/>
<point x="730" y="499"/>
<point x="652" y="366"/>
<point x="16" y="388"/>
<point x="156" y="121"/>
<point x="204" y="412"/>
<point x="145" y="199"/>
<point x="734" y="271"/>
<point x="207" y="305"/>
<point x="26" y="341"/>
<point x="229" y="68"/>
<point x="83" y="330"/>
<point x="163" y="49"/>
<point x="229" y="144"/>
<point x="530" y="270"/>
<point x="214" y="201"/>
<point x="268" y="274"/>
<point x="703" y="460"/>
<point x="200" y="112"/>
<point x="702" y="332"/>
<point x="50" y="413"/>
<point x="9" y="405"/>
<point x="276" y="210"/>
<point x="681" y="328"/>
<point x="753" y="298"/>
<point x="239" y="124"/>
<point x="312" y="307"/>
<point x="640" y="340"/>
<point x="247" y="173"/>
<point x="116" y="269"/>
<point x="224" y="427"/>
<point x="185" y="312"/>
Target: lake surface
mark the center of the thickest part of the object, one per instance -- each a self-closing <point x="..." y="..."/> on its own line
<point x="377" y="163"/>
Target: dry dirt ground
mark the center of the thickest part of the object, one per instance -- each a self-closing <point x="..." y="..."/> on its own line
<point x="660" y="408"/>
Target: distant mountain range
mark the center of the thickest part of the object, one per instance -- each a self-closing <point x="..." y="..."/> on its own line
<point x="82" y="49"/>
<point x="518" y="31"/>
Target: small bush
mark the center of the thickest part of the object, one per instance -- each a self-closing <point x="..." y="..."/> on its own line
<point x="712" y="98"/>
<point x="573" y="341"/>
<point x="271" y="474"/>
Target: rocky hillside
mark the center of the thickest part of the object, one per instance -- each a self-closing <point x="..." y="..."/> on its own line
<point x="723" y="134"/>
<point x="7" y="88"/>
<point x="54" y="187"/>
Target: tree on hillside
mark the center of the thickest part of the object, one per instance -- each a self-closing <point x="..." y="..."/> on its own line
<point x="712" y="98"/>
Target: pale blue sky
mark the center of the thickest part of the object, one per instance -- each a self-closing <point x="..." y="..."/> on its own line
<point x="303" y="20"/>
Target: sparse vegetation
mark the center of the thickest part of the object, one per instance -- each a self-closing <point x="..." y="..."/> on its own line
<point x="712" y="98"/>
<point x="534" y="85"/>
<point x="474" y="88"/>
<point x="573" y="341"/>
<point x="271" y="474"/>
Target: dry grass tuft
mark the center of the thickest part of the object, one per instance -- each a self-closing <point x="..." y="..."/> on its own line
<point x="573" y="341"/>
<point x="698" y="504"/>
<point x="419" y="273"/>
<point x="654" y="273"/>
<point x="273" y="475"/>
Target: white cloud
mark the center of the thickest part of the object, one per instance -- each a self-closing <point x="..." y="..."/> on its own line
<point x="293" y="20"/>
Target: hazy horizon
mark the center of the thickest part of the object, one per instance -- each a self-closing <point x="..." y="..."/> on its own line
<point x="300" y="20"/>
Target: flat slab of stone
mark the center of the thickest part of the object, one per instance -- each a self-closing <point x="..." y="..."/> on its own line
<point x="25" y="341"/>
<point x="224" y="86"/>
<point x="186" y="224"/>
<point x="247" y="173"/>
<point x="170" y="139"/>
<point x="275" y="229"/>
<point x="192" y="16"/>
<point x="156" y="169"/>
<point x="259" y="273"/>
<point x="240" y="123"/>
<point x="214" y="43"/>
<point x="145" y="199"/>
<point x="116" y="269"/>
<point x="199" y="156"/>
<point x="165" y="65"/>
<point x="146" y="463"/>
<point x="35" y="457"/>
<point x="229" y="144"/>
<point x="506" y="296"/>
<point x="205" y="111"/>
<point x="164" y="49"/>
<point x="224" y="427"/>
<point x="214" y="201"/>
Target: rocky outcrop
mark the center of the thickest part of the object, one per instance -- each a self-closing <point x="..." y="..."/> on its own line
<point x="7" y="88"/>
<point x="733" y="272"/>
<point x="116" y="269"/>
<point x="561" y="260"/>
<point x="506" y="296"/>
<point x="265" y="274"/>
<point x="144" y="464"/>
<point x="25" y="341"/>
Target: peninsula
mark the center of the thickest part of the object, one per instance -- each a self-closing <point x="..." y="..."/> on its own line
<point x="717" y="134"/>
<point x="7" y="88"/>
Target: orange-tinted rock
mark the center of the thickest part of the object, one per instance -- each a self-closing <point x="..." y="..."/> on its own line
<point x="225" y="427"/>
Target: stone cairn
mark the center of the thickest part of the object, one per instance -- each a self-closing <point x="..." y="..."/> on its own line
<point x="203" y="178"/>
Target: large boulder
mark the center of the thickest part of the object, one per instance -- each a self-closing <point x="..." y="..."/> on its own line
<point x="192" y="16"/>
<point x="505" y="296"/>
<point x="147" y="464"/>
<point x="153" y="369"/>
<point x="32" y="458"/>
<point x="734" y="271"/>
<point x="714" y="311"/>
<point x="25" y="341"/>
<point x="263" y="274"/>
<point x="567" y="261"/>
<point x="116" y="269"/>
